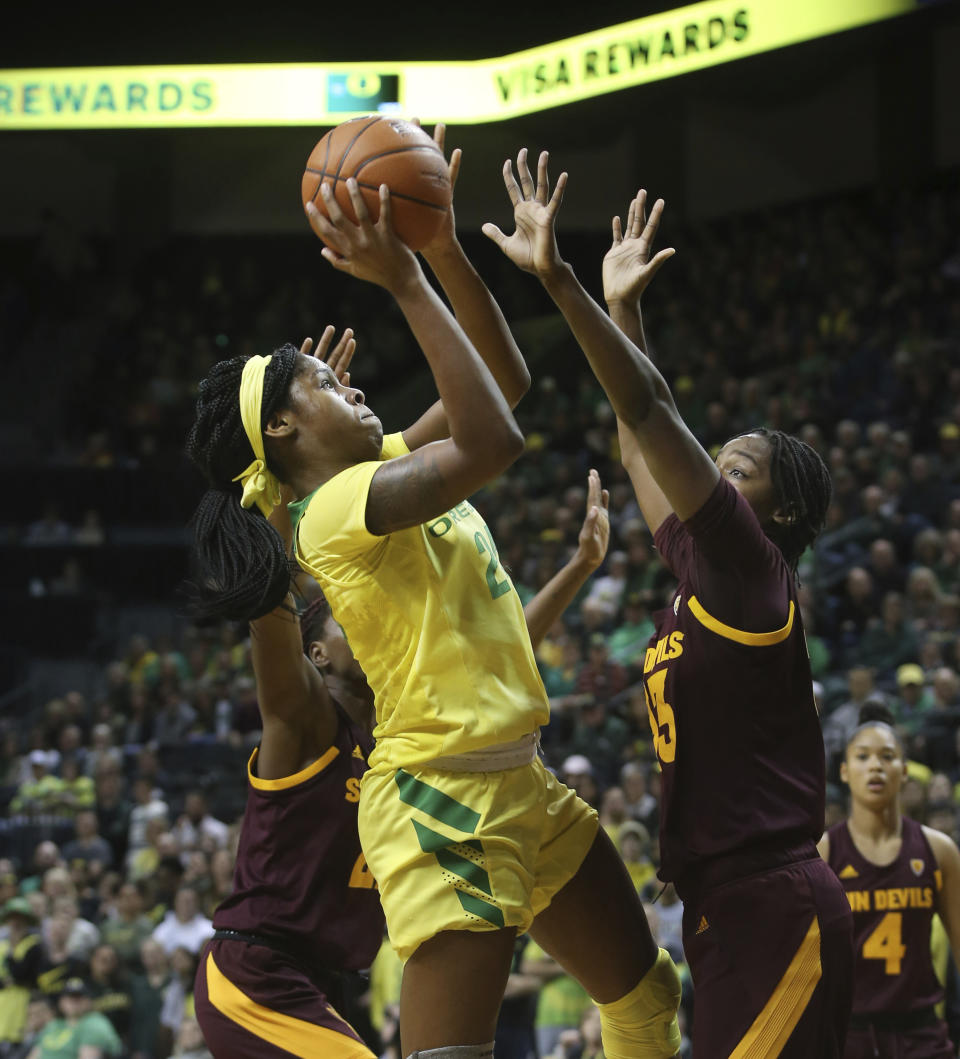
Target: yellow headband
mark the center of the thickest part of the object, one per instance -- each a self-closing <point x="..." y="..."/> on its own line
<point x="260" y="486"/>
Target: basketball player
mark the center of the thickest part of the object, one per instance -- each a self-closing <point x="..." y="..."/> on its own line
<point x="304" y="907"/>
<point x="897" y="874"/>
<point x="767" y="932"/>
<point x="469" y="837"/>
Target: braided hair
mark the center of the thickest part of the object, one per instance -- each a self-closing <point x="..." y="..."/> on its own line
<point x="241" y="570"/>
<point x="802" y="487"/>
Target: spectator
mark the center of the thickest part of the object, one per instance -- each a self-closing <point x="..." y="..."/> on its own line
<point x="196" y="828"/>
<point x="628" y="642"/>
<point x="81" y="936"/>
<point x="185" y="926"/>
<point x="147" y="806"/>
<point x="577" y="773"/>
<point x="88" y="845"/>
<point x="913" y="701"/>
<point x="146" y="999"/>
<point x="80" y="1033"/>
<point x="599" y="736"/>
<point x="641" y="804"/>
<point x="21" y="960"/>
<point x="42" y="792"/>
<point x="890" y="641"/>
<point x="841" y="724"/>
<point x="601" y="676"/>
<point x="635" y="850"/>
<point x="109" y="988"/>
<point x="127" y="928"/>
<point x="113" y="811"/>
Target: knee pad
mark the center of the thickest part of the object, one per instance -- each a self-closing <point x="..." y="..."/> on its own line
<point x="644" y="1022"/>
<point x="457" y="1051"/>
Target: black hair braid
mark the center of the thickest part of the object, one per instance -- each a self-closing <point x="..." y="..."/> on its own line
<point x="240" y="567"/>
<point x="802" y="487"/>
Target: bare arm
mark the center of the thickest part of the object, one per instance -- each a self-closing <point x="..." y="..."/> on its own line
<point x="627" y="271"/>
<point x="948" y="860"/>
<point x="478" y="314"/>
<point x="557" y="594"/>
<point x="484" y="437"/>
<point x="299" y="720"/>
<point x="638" y="393"/>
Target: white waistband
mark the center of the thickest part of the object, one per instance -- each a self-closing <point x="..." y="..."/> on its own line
<point x="522" y="751"/>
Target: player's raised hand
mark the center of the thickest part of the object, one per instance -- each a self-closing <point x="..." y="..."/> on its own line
<point x="446" y="237"/>
<point x="533" y="246"/>
<point x="595" y="532"/>
<point x="339" y="358"/>
<point x="627" y="265"/>
<point x="369" y="250"/>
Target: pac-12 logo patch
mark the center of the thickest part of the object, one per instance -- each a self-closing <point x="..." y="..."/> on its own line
<point x="916" y="866"/>
<point x="676" y="605"/>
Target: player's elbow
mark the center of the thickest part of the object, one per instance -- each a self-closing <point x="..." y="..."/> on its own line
<point x="506" y="446"/>
<point x="519" y="385"/>
<point x="647" y="406"/>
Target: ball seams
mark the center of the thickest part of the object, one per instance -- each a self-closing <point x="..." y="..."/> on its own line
<point x="371" y="187"/>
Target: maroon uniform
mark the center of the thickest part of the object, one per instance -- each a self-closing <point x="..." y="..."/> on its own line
<point x="895" y="986"/>
<point x="738" y="738"/>
<point x="304" y="907"/>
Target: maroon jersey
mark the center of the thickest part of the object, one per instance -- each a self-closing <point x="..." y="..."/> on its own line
<point x="300" y="875"/>
<point x="729" y="693"/>
<point x="893" y="907"/>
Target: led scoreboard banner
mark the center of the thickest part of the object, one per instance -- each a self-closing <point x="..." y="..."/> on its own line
<point x="633" y="53"/>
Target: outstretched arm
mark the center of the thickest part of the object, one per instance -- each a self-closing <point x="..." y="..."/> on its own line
<point x="627" y="271"/>
<point x="557" y="594"/>
<point x="476" y="311"/>
<point x="484" y="437"/>
<point x="638" y="393"/>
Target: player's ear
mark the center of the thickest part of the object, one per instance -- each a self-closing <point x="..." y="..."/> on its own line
<point x="785" y="515"/>
<point x="845" y="775"/>
<point x="317" y="653"/>
<point x="279" y="424"/>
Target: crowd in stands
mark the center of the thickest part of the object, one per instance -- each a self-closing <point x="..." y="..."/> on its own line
<point x="839" y="321"/>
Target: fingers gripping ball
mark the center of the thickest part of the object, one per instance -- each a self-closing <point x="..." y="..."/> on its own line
<point x="379" y="150"/>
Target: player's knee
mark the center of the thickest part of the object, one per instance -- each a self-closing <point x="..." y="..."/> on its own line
<point x="457" y="1051"/>
<point x="646" y="1018"/>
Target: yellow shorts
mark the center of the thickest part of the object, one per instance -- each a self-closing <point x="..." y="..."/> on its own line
<point x="469" y="850"/>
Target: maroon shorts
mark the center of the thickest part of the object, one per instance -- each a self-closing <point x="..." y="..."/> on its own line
<point x="255" y="1003"/>
<point x="925" y="1042"/>
<point x="771" y="956"/>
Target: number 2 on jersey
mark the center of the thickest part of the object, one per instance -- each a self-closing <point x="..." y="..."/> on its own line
<point x="361" y="878"/>
<point x="885" y="943"/>
<point x="662" y="720"/>
<point x="485" y="546"/>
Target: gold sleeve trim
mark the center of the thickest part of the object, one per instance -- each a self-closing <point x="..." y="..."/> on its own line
<point x="751" y="639"/>
<point x="286" y="782"/>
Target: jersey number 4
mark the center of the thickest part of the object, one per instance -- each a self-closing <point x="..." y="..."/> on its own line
<point x="361" y="878"/>
<point x="885" y="943"/>
<point x="662" y="720"/>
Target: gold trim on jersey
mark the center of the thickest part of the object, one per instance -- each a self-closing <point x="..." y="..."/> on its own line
<point x="751" y="639"/>
<point x="286" y="782"/>
<point x="297" y="1036"/>
<point x="771" y="1029"/>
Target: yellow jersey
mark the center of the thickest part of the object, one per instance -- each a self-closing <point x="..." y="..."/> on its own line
<point x="431" y="616"/>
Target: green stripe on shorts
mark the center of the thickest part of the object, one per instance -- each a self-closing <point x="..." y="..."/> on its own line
<point x="481" y="909"/>
<point x="435" y="803"/>
<point x="468" y="870"/>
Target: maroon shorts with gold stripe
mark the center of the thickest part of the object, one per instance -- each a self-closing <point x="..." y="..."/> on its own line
<point x="771" y="956"/>
<point x="255" y="1003"/>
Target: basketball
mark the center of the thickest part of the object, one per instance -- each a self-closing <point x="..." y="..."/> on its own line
<point x="379" y="150"/>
